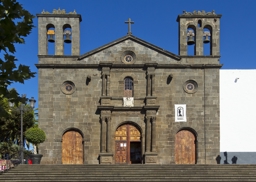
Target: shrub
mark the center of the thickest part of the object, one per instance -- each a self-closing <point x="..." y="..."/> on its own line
<point x="35" y="136"/>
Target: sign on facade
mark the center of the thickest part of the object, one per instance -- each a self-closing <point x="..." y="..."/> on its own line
<point x="180" y="113"/>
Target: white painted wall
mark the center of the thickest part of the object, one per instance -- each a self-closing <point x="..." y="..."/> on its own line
<point x="238" y="110"/>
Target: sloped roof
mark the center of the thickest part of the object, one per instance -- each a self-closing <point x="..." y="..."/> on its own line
<point x="135" y="39"/>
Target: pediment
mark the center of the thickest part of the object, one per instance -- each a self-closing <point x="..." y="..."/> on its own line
<point x="141" y="51"/>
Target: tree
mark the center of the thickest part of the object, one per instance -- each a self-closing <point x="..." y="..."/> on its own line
<point x="10" y="125"/>
<point x="35" y="136"/>
<point x="15" y="24"/>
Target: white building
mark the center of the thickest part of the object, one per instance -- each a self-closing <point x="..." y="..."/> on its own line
<point x="238" y="116"/>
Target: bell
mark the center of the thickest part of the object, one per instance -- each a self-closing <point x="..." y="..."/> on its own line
<point x="50" y="34"/>
<point x="67" y="35"/>
<point x="207" y="34"/>
<point x="67" y="38"/>
<point x="51" y="38"/>
<point x="206" y="39"/>
<point x="191" y="40"/>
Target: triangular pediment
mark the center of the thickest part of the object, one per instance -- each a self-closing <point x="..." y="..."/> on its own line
<point x="144" y="51"/>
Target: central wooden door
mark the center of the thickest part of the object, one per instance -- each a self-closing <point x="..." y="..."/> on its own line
<point x="127" y="145"/>
<point x="72" y="148"/>
<point x="185" y="148"/>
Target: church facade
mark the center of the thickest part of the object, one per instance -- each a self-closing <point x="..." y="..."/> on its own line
<point x="129" y="101"/>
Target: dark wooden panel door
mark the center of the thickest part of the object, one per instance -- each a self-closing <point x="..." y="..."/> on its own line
<point x="185" y="149"/>
<point x="72" y="148"/>
<point x="127" y="145"/>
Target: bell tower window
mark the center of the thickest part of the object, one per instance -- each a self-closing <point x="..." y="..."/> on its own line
<point x="207" y="39"/>
<point x="67" y="37"/>
<point x="191" y="43"/>
<point x="51" y="39"/>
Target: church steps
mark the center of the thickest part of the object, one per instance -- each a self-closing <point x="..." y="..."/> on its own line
<point x="131" y="173"/>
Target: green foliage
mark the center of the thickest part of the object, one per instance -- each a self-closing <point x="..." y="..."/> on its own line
<point x="9" y="148"/>
<point x="15" y="24"/>
<point x="35" y="135"/>
<point x="10" y="122"/>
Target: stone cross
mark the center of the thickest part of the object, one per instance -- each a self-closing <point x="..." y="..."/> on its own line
<point x="129" y="22"/>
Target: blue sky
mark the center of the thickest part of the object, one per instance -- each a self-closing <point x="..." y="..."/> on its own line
<point x="155" y="22"/>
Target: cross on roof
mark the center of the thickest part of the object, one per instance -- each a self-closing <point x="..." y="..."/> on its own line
<point x="129" y="22"/>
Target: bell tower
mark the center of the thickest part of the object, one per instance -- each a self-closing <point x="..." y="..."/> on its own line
<point x="57" y="30"/>
<point x="199" y="30"/>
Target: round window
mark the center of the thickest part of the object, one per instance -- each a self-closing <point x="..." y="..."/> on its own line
<point x="128" y="57"/>
<point x="190" y="86"/>
<point x="68" y="87"/>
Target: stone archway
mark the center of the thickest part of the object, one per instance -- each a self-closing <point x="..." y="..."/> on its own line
<point x="185" y="147"/>
<point x="128" y="145"/>
<point x="72" y="148"/>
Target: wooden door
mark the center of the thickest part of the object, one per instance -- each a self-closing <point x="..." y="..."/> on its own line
<point x="127" y="145"/>
<point x="185" y="149"/>
<point x="72" y="148"/>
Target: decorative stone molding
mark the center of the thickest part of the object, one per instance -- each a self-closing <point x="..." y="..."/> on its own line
<point x="199" y="13"/>
<point x="58" y="11"/>
<point x="150" y="158"/>
<point x="106" y="158"/>
<point x="150" y="100"/>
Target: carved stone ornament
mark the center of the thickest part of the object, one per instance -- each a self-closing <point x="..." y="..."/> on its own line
<point x="58" y="11"/>
<point x="128" y="101"/>
<point x="199" y="13"/>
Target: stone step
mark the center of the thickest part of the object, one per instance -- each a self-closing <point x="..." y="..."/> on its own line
<point x="131" y="173"/>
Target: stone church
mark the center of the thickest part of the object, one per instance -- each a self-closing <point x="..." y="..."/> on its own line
<point x="129" y="101"/>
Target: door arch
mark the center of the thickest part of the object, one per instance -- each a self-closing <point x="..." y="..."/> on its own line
<point x="185" y="147"/>
<point x="128" y="145"/>
<point x="72" y="148"/>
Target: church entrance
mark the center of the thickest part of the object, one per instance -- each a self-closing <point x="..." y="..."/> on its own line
<point x="185" y="148"/>
<point x="128" y="145"/>
<point x="72" y="148"/>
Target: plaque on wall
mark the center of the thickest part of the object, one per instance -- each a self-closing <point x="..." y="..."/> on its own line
<point x="128" y="101"/>
<point x="180" y="113"/>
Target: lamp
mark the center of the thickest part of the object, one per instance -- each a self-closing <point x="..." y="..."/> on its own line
<point x="32" y="102"/>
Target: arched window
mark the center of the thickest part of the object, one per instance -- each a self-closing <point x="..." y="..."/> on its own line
<point x="199" y="23"/>
<point x="128" y="87"/>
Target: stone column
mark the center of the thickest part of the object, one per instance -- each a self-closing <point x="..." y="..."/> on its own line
<point x="109" y="139"/>
<point x="153" y="123"/>
<point x="148" y="85"/>
<point x="148" y="134"/>
<point x="103" y="134"/>
<point x="59" y="39"/>
<point x="103" y="85"/>
<point x="105" y="156"/>
<point x="107" y="87"/>
<point x="153" y="85"/>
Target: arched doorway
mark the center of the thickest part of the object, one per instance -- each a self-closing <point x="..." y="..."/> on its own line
<point x="127" y="145"/>
<point x="72" y="148"/>
<point x="185" y="147"/>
